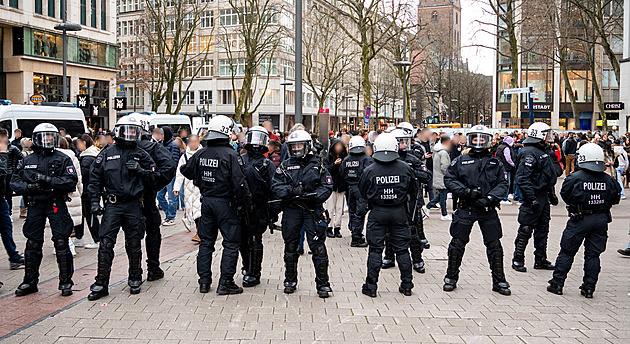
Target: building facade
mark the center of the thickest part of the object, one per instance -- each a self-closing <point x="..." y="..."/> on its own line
<point x="32" y="53"/>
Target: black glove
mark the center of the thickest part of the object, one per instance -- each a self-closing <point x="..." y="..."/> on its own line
<point x="483" y="203"/>
<point x="297" y="191"/>
<point x="34" y="187"/>
<point x="40" y="178"/>
<point x="553" y="199"/>
<point x="133" y="165"/>
<point x="96" y="208"/>
<point x="534" y="204"/>
<point x="320" y="230"/>
<point x="474" y="193"/>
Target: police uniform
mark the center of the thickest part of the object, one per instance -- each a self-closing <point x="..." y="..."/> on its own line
<point x="589" y="197"/>
<point x="536" y="178"/>
<point x="351" y="169"/>
<point x="480" y="182"/>
<point x="122" y="188"/>
<point x="46" y="200"/>
<point x="216" y="170"/>
<point x="298" y="177"/>
<point x="387" y="188"/>
<point x="259" y="172"/>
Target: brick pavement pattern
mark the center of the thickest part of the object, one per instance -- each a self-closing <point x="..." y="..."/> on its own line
<point x="173" y="311"/>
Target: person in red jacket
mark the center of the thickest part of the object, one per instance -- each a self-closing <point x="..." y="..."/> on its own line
<point x="269" y="126"/>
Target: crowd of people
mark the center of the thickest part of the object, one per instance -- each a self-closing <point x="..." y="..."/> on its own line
<point x="237" y="183"/>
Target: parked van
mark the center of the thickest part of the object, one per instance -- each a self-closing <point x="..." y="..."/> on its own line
<point x="176" y="122"/>
<point x="27" y="117"/>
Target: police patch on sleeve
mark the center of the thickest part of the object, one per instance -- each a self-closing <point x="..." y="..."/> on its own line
<point x="99" y="159"/>
<point x="529" y="160"/>
<point x="505" y="175"/>
<point x="71" y="170"/>
<point x="328" y="180"/>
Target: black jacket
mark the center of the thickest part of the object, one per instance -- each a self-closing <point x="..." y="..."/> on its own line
<point x="590" y="190"/>
<point x="329" y="164"/>
<point x="308" y="173"/>
<point x="218" y="172"/>
<point x="110" y="173"/>
<point x="536" y="173"/>
<point x="259" y="172"/>
<point x="352" y="168"/>
<point x="14" y="156"/>
<point x="471" y="171"/>
<point x="422" y="173"/>
<point x="86" y="159"/>
<point x="49" y="163"/>
<point x="570" y="147"/>
<point x="166" y="167"/>
<point x="501" y="156"/>
<point x="3" y="175"/>
<point x="388" y="184"/>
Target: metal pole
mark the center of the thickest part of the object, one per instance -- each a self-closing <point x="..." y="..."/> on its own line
<point x="404" y="93"/>
<point x="347" y="118"/>
<point x="65" y="53"/>
<point x="284" y="104"/>
<point x="298" y="61"/>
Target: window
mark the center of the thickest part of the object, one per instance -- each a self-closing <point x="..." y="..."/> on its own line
<point x="83" y="12"/>
<point x="207" y="44"/>
<point x="13" y="3"/>
<point x="269" y="97"/>
<point x="207" y="68"/>
<point x="104" y="14"/>
<point x="192" y="45"/>
<point x="207" y="19"/>
<point x="38" y="8"/>
<point x="288" y="68"/>
<point x="93" y="21"/>
<point x="227" y="97"/>
<point x="434" y="17"/>
<point x="456" y="18"/>
<point x="175" y="97"/>
<point x="189" y="71"/>
<point x="229" y="67"/>
<point x="124" y="26"/>
<point x="50" y="86"/>
<point x="268" y="67"/>
<point x="232" y="42"/>
<point x="51" y="8"/>
<point x="189" y="99"/>
<point x="6" y="124"/>
<point x="228" y="17"/>
<point x="608" y="79"/>
<point x="205" y="97"/>
<point x="189" y="21"/>
<point x="290" y="97"/>
<point x="170" y="23"/>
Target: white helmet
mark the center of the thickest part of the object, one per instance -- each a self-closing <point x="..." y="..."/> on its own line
<point x="256" y="139"/>
<point x="128" y="129"/>
<point x="591" y="157"/>
<point x="46" y="135"/>
<point x="145" y="121"/>
<point x="356" y="145"/>
<point x="300" y="144"/>
<point x="479" y="137"/>
<point x="407" y="127"/>
<point x="372" y="135"/>
<point x="220" y="128"/>
<point x="385" y="148"/>
<point x="538" y="132"/>
<point x="403" y="136"/>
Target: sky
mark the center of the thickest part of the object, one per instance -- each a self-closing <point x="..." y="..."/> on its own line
<point x="480" y="60"/>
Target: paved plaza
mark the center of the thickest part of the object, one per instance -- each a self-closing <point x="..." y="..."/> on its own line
<point x="173" y="311"/>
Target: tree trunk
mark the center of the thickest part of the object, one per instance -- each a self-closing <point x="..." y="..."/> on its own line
<point x="365" y="79"/>
<point x="569" y="89"/>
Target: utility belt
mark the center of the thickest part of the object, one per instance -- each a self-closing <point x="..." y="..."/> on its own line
<point x="385" y="204"/>
<point x="469" y="205"/>
<point x="31" y="201"/>
<point x="577" y="213"/>
<point x="113" y="199"/>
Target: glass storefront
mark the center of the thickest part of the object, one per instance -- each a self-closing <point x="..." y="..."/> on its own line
<point x="97" y="90"/>
<point x="50" y="86"/>
<point x="50" y="44"/>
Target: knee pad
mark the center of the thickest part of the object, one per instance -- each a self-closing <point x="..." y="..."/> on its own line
<point x="107" y="243"/>
<point x="495" y="245"/>
<point x="320" y="251"/>
<point x="34" y="245"/>
<point x="526" y="230"/>
<point x="61" y="245"/>
<point x="457" y="243"/>
<point x="132" y="242"/>
<point x="290" y="248"/>
<point x="377" y="250"/>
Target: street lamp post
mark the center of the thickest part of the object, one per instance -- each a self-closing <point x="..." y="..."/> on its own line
<point x="65" y="27"/>
<point x="347" y="117"/>
<point x="404" y="65"/>
<point x="284" y="100"/>
<point x="453" y="110"/>
<point x="298" y="61"/>
<point x="431" y="93"/>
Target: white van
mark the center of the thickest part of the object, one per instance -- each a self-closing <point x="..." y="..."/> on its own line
<point x="27" y="117"/>
<point x="176" y="122"/>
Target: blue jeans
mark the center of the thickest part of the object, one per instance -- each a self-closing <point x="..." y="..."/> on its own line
<point x="619" y="172"/>
<point x="180" y="198"/>
<point x="517" y="193"/>
<point x="6" y="231"/>
<point x="440" y="197"/>
<point x="170" y="207"/>
<point x="508" y="192"/>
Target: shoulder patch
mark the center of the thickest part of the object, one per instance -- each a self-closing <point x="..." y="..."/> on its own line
<point x="71" y="169"/>
<point x="240" y="160"/>
<point x="99" y="159"/>
<point x="453" y="163"/>
<point x="278" y="170"/>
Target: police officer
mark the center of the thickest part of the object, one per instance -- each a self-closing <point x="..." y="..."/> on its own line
<point x="304" y="184"/>
<point x="46" y="177"/>
<point x="165" y="168"/>
<point x="414" y="205"/>
<point x="536" y="178"/>
<point x="121" y="173"/>
<point x="217" y="171"/>
<point x="387" y="185"/>
<point x="589" y="194"/>
<point x="351" y="169"/>
<point x="480" y="182"/>
<point x="259" y="172"/>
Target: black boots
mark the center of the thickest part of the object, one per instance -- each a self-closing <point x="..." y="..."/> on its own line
<point x="329" y="232"/>
<point x="228" y="288"/>
<point x="290" y="268"/>
<point x="494" y="251"/>
<point x="554" y="289"/>
<point x="105" y="257"/>
<point x="358" y="242"/>
<point x="586" y="292"/>
<point x="337" y="231"/>
<point x="97" y="291"/>
<point x="155" y="274"/>
<point x="419" y="267"/>
<point x="388" y="263"/>
<point x="520" y="244"/>
<point x="134" y="254"/>
<point x="32" y="260"/>
<point x="369" y="288"/>
<point x="543" y="265"/>
<point x="204" y="288"/>
<point x="252" y="276"/>
<point x="455" y="255"/>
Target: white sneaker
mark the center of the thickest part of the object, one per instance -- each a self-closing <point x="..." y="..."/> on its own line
<point x="511" y="197"/>
<point x="623" y="197"/>
<point x="506" y="203"/>
<point x="78" y="242"/>
<point x="446" y="217"/>
<point x="426" y="210"/>
<point x="425" y="215"/>
<point x="449" y="195"/>
<point x="91" y="245"/>
<point x="169" y="222"/>
<point x="71" y="247"/>
<point x="186" y="223"/>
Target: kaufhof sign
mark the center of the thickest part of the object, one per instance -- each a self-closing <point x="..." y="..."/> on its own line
<point x="617" y="106"/>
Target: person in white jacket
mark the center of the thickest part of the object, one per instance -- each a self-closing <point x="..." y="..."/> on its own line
<point x="74" y="205"/>
<point x="623" y="163"/>
<point x="192" y="195"/>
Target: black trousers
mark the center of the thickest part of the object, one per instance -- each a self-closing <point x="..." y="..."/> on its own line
<point x="89" y="219"/>
<point x="218" y="214"/>
<point x="61" y="226"/>
<point x="251" y="240"/>
<point x="593" y="231"/>
<point x="536" y="222"/>
<point x="390" y="222"/>
<point x="416" y="227"/>
<point x="356" y="208"/>
<point x="153" y="239"/>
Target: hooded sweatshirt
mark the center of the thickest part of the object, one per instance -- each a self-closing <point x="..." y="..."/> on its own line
<point x="170" y="145"/>
<point x="441" y="161"/>
<point x="329" y="163"/>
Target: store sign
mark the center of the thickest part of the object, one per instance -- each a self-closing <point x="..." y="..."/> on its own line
<point x="539" y="107"/>
<point x="38" y="98"/>
<point x="368" y="112"/>
<point x="120" y="103"/>
<point x="83" y="101"/>
<point x="614" y="106"/>
<point x="610" y="122"/>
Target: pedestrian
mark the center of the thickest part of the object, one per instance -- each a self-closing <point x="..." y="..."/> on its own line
<point x="183" y="135"/>
<point x="332" y="163"/>
<point x="589" y="194"/>
<point x="14" y="156"/>
<point x="350" y="172"/>
<point x="192" y="195"/>
<point x="179" y="196"/>
<point x="569" y="148"/>
<point x="387" y="185"/>
<point x="6" y="225"/>
<point x="17" y="138"/>
<point x="217" y="171"/>
<point x="536" y="178"/>
<point x="157" y="135"/>
<point x="274" y="152"/>
<point x="268" y="125"/>
<point x="169" y="206"/>
<point x="88" y="155"/>
<point x="621" y="164"/>
<point x="74" y="197"/>
<point x="478" y="200"/>
<point x="506" y="155"/>
<point x="441" y="161"/>
<point x="165" y="169"/>
<point x="123" y="171"/>
<point x="259" y="172"/>
<point x="304" y="184"/>
<point x="46" y="177"/>
<point x="424" y="152"/>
